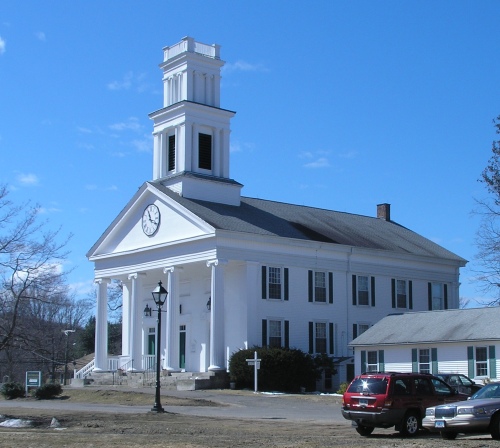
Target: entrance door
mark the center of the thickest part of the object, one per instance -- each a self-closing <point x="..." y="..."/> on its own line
<point x="182" y="347"/>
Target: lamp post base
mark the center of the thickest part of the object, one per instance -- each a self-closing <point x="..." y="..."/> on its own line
<point x="158" y="409"/>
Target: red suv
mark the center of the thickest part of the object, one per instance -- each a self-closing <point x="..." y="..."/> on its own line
<point x="385" y="399"/>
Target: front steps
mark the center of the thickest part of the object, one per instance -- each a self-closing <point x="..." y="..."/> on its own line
<point x="170" y="381"/>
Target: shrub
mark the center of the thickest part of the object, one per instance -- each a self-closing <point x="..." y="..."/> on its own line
<point x="12" y="390"/>
<point x="285" y="370"/>
<point x="48" y="391"/>
<point x="342" y="388"/>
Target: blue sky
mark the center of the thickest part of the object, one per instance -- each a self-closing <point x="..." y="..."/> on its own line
<point x="340" y="105"/>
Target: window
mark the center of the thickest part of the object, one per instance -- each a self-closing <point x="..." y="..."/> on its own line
<point x="171" y="153"/>
<point x="205" y="151"/>
<point x="402" y="296"/>
<point x="363" y="290"/>
<point x="274" y="283"/>
<point x="321" y="337"/>
<point x="438" y="296"/>
<point x="424" y="360"/>
<point x="275" y="333"/>
<point x="372" y="361"/>
<point x="359" y="329"/>
<point x="481" y="361"/>
<point x="320" y="286"/>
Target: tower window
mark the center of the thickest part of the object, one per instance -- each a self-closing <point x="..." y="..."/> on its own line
<point x="205" y="151"/>
<point x="171" y="153"/>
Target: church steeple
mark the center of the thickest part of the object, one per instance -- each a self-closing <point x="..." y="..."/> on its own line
<point x="191" y="131"/>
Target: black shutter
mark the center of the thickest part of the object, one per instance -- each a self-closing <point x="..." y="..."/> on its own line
<point x="264" y="282"/>
<point x="354" y="290"/>
<point x="264" y="332"/>
<point x="205" y="151"/>
<point x="354" y="331"/>
<point x="287" y="334"/>
<point x="429" y="295"/>
<point x="286" y="283"/>
<point x="445" y="296"/>
<point x="373" y="290"/>
<point x="330" y="335"/>
<point x="330" y="287"/>
<point x="171" y="152"/>
<point x="393" y="292"/>
<point x="310" y="285"/>
<point x="410" y="294"/>
<point x="311" y="337"/>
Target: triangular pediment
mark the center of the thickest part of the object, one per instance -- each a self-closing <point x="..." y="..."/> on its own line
<point x="126" y="232"/>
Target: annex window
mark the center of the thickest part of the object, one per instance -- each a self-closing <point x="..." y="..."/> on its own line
<point x="320" y="286"/>
<point x="424" y="360"/>
<point x="481" y="361"/>
<point x="438" y="296"/>
<point x="275" y="333"/>
<point x="321" y="337"/>
<point x="363" y="290"/>
<point x="372" y="361"/>
<point x="274" y="282"/>
<point x="171" y="153"/>
<point x="402" y="294"/>
<point x="205" y="151"/>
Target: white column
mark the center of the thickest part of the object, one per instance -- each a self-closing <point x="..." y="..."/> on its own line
<point x="217" y="316"/>
<point x="135" y="322"/>
<point x="101" y="325"/>
<point x="126" y="298"/>
<point x="168" y="337"/>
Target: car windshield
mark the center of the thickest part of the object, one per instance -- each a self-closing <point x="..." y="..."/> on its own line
<point x="488" y="391"/>
<point x="368" y="386"/>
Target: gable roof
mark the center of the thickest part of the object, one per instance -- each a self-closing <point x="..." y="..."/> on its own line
<point x="474" y="324"/>
<point x="263" y="217"/>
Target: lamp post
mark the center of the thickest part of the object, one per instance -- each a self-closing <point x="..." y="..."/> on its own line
<point x="159" y="296"/>
<point x="66" y="332"/>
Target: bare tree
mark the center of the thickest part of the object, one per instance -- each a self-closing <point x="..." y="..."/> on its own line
<point x="488" y="235"/>
<point x="31" y="257"/>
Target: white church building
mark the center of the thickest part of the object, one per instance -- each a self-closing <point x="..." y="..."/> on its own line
<point x="243" y="272"/>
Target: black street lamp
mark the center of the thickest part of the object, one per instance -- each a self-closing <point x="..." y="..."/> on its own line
<point x="159" y="296"/>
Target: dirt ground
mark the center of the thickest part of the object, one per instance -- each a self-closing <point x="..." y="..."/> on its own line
<point x="86" y="429"/>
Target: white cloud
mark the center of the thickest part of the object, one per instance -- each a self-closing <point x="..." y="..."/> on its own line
<point x="40" y="35"/>
<point x="240" y="147"/>
<point x="130" y="81"/>
<point x="27" y="179"/>
<point x="124" y="84"/>
<point x="243" y="66"/>
<point x="144" y="145"/>
<point x="132" y="124"/>
<point x="322" y="162"/>
<point x="2" y="45"/>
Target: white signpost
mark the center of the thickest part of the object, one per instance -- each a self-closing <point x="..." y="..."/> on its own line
<point x="255" y="362"/>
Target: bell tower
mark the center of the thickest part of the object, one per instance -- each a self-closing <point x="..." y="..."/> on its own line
<point x="191" y="131"/>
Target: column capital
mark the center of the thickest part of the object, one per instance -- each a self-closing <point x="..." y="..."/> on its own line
<point x="136" y="275"/>
<point x="100" y="280"/>
<point x="216" y="262"/>
<point x="171" y="269"/>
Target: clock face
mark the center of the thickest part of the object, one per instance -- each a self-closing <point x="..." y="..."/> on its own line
<point x="150" y="219"/>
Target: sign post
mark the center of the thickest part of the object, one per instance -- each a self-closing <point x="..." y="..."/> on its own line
<point x="255" y="362"/>
<point x="33" y="379"/>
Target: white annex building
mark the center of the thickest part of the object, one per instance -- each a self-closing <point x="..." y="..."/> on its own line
<point x="244" y="272"/>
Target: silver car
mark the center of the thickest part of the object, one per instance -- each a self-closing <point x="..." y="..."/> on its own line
<point x="479" y="414"/>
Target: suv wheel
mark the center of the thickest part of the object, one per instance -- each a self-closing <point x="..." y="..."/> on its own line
<point x="364" y="430"/>
<point x="410" y="424"/>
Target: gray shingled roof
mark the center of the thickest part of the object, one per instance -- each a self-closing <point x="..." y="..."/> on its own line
<point x="434" y="326"/>
<point x="262" y="217"/>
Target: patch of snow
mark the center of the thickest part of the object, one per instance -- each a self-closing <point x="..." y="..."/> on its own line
<point x="17" y="423"/>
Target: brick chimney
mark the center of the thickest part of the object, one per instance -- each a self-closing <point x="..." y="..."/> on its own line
<point x="384" y="211"/>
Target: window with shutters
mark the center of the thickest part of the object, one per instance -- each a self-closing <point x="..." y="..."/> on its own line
<point x="320" y="286"/>
<point x="481" y="361"/>
<point x="320" y="337"/>
<point x="372" y="361"/>
<point x="424" y="360"/>
<point x="437" y="296"/>
<point x="205" y="151"/>
<point x="171" y="153"/>
<point x="401" y="294"/>
<point x="275" y="333"/>
<point x="363" y="291"/>
<point x="274" y="282"/>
